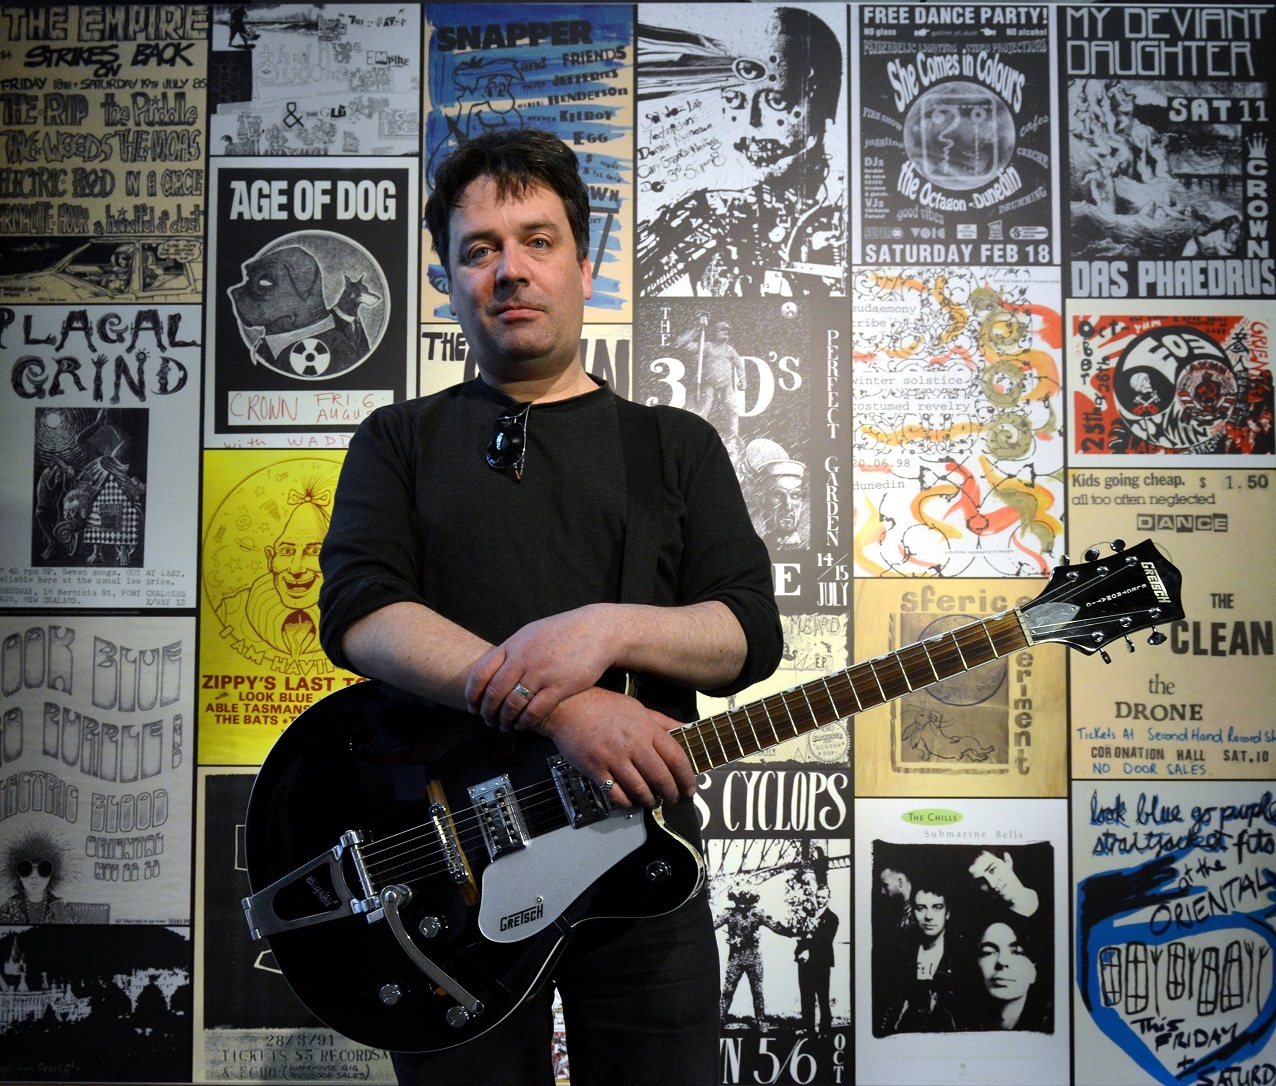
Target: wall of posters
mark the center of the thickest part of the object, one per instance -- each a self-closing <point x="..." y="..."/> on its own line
<point x="979" y="299"/>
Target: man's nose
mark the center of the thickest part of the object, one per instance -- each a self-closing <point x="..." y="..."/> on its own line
<point x="512" y="267"/>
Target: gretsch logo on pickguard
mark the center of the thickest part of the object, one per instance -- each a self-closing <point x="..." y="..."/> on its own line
<point x="523" y="916"/>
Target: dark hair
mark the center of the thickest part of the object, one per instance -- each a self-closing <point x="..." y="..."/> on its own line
<point x="516" y="159"/>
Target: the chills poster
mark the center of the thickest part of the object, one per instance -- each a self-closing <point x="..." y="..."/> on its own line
<point x="741" y="174"/>
<point x="771" y="376"/>
<point x="314" y="79"/>
<point x="96" y="513"/>
<point x="566" y="69"/>
<point x="778" y="861"/>
<point x="955" y="155"/>
<point x="1188" y="384"/>
<point x="96" y="769"/>
<point x="961" y="921"/>
<point x="1169" y="128"/>
<point x="958" y="428"/>
<point x="102" y="132"/>
<point x="311" y="324"/>
<point x="266" y="514"/>
<point x="1174" y="946"/>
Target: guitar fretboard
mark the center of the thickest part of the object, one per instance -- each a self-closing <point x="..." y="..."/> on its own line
<point x="745" y="730"/>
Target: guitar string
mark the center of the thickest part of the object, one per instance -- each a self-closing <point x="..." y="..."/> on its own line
<point x="534" y="799"/>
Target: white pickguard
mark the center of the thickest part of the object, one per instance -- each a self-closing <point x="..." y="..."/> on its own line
<point x="524" y="892"/>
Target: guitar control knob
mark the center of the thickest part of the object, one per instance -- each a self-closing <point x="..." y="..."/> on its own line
<point x="390" y="994"/>
<point x="430" y="926"/>
<point x="658" y="871"/>
<point x="457" y="1016"/>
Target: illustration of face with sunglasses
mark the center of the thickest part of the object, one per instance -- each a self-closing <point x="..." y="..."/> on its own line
<point x="34" y="876"/>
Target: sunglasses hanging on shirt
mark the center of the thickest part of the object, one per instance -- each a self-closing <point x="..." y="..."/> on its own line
<point x="508" y="447"/>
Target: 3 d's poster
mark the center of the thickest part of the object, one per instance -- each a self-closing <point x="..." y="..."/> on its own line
<point x="97" y="509"/>
<point x="742" y="130"/>
<point x="955" y="111"/>
<point x="1189" y="384"/>
<point x="315" y="79"/>
<point x="568" y="71"/>
<point x="104" y="145"/>
<point x="1174" y="946"/>
<point x="266" y="513"/>
<point x="310" y="322"/>
<point x="958" y="422"/>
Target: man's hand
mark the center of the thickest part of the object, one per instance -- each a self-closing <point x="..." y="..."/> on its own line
<point x="611" y="737"/>
<point x="520" y="682"/>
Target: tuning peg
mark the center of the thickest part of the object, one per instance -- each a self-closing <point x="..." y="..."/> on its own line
<point x="1118" y="545"/>
<point x="1129" y="643"/>
<point x="1156" y="638"/>
<point x="1065" y="561"/>
<point x="1106" y="658"/>
<point x="1092" y="554"/>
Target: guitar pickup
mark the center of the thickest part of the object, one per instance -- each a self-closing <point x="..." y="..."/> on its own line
<point x="583" y="801"/>
<point x="500" y="817"/>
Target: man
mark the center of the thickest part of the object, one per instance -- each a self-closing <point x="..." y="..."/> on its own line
<point x="996" y="875"/>
<point x="1007" y="965"/>
<point x="924" y="1002"/>
<point x="814" y="957"/>
<point x="474" y="560"/>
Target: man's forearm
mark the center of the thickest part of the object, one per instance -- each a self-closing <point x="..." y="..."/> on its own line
<point x="415" y="649"/>
<point x="700" y="645"/>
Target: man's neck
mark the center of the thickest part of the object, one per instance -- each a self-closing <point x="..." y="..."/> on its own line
<point x="572" y="381"/>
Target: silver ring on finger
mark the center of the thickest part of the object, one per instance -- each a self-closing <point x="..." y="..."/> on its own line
<point x="607" y="785"/>
<point x="523" y="692"/>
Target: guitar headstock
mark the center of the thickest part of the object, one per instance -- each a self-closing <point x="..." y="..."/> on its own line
<point x="1089" y="605"/>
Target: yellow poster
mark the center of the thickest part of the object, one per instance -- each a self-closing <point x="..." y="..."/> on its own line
<point x="1198" y="705"/>
<point x="266" y="512"/>
<point x="991" y="728"/>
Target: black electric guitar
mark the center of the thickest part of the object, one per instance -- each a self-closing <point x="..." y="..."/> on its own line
<point x="416" y="880"/>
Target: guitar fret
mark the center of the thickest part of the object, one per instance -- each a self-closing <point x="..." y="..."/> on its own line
<point x="930" y="661"/>
<point x="784" y="700"/>
<point x="767" y="712"/>
<point x="757" y="743"/>
<point x="809" y="707"/>
<point x="983" y="627"/>
<point x="953" y="634"/>
<point x="873" y="671"/>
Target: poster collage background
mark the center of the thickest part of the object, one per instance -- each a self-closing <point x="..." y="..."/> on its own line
<point x="965" y="289"/>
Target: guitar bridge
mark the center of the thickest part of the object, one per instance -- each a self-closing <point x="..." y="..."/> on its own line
<point x="583" y="801"/>
<point x="500" y="817"/>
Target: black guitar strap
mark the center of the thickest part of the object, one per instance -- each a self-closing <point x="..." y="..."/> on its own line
<point x="640" y="445"/>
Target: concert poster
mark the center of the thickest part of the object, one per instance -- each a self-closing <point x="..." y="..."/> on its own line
<point x="1174" y="944"/>
<point x="315" y="79"/>
<point x="741" y="175"/>
<point x="997" y="729"/>
<point x="102" y="130"/>
<point x="962" y="928"/>
<point x="955" y="152"/>
<point x="566" y="69"/>
<point x="958" y="422"/>
<point x="249" y="1026"/>
<point x="777" y="851"/>
<point x="606" y="351"/>
<point x="1197" y="705"/>
<point x="815" y="647"/>
<point x="93" y="395"/>
<point x="1169" y="128"/>
<point x="266" y="513"/>
<point x="310" y="322"/>
<point x="770" y="377"/>
<point x="1167" y="383"/>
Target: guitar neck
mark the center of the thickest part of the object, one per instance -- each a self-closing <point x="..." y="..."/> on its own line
<point x="737" y="733"/>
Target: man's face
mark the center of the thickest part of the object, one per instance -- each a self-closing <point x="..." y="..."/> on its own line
<point x="516" y="286"/>
<point x="894" y="884"/>
<point x="784" y="501"/>
<point x="994" y="873"/>
<point x="930" y="912"/>
<point x="294" y="562"/>
<point x="1007" y="970"/>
